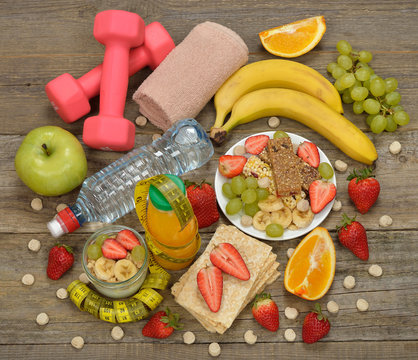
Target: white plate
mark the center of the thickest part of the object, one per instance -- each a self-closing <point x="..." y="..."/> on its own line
<point x="288" y="234"/>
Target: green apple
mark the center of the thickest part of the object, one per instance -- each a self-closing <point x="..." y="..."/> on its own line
<point x="51" y="161"/>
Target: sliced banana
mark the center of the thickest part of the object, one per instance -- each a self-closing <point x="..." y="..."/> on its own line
<point x="125" y="269"/>
<point x="292" y="226"/>
<point x="302" y="219"/>
<point x="272" y="203"/>
<point x="282" y="217"/>
<point x="104" y="268"/>
<point x="261" y="219"/>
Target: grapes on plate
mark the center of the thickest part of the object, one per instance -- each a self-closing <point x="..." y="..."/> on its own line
<point x="274" y="230"/>
<point x="227" y="191"/>
<point x="325" y="170"/>
<point x="238" y="185"/>
<point x="233" y="206"/>
<point x="248" y="196"/>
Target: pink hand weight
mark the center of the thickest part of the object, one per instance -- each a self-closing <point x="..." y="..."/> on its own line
<point x="70" y="96"/>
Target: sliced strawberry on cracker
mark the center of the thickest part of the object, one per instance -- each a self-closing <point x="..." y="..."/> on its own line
<point x="127" y="239"/>
<point x="309" y="153"/>
<point x="111" y="249"/>
<point x="256" y="144"/>
<point x="320" y="194"/>
<point x="231" y="165"/>
<point x="210" y="284"/>
<point x="227" y="258"/>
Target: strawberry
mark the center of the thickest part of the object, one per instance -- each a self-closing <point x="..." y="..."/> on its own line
<point x="127" y="239"/>
<point x="111" y="249"/>
<point x="227" y="258"/>
<point x="353" y="236"/>
<point x="315" y="326"/>
<point x="60" y="260"/>
<point x="202" y="197"/>
<point x="363" y="189"/>
<point x="162" y="324"/>
<point x="320" y="194"/>
<point x="308" y="152"/>
<point x="266" y="312"/>
<point x="256" y="144"/>
<point x="210" y="284"/>
<point x="231" y="165"/>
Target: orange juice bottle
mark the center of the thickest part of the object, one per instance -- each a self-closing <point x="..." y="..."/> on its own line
<point x="173" y="248"/>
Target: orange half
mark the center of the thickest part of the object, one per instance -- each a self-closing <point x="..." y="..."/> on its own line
<point x="310" y="270"/>
<point x="294" y="39"/>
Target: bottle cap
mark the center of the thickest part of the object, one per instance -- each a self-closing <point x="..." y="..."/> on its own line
<point x="64" y="222"/>
<point x="158" y="199"/>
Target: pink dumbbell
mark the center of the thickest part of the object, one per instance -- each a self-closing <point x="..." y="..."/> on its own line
<point x="70" y="97"/>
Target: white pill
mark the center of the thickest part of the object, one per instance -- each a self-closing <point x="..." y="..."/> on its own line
<point x="332" y="307"/>
<point x="362" y="305"/>
<point x="263" y="182"/>
<point x="395" y="147"/>
<point x="117" y="333"/>
<point x="274" y="122"/>
<point x="375" y="270"/>
<point x="36" y="204"/>
<point x="385" y="221"/>
<point x="141" y="120"/>
<point x="155" y="137"/>
<point x="337" y="205"/>
<point x="28" y="279"/>
<point x="290" y="252"/>
<point x="60" y="207"/>
<point x="246" y="220"/>
<point x="77" y="342"/>
<point x="290" y="335"/>
<point x="42" y="319"/>
<point x="340" y="166"/>
<point x="349" y="282"/>
<point x="34" y="245"/>
<point x="62" y="293"/>
<point x="189" y="338"/>
<point x="214" y="349"/>
<point x="291" y="313"/>
<point x="239" y="150"/>
<point x="250" y="338"/>
<point x="83" y="278"/>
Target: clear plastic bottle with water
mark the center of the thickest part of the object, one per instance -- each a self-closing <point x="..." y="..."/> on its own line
<point x="109" y="194"/>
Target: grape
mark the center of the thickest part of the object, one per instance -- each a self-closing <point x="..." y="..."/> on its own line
<point x="371" y="106"/>
<point x="345" y="62"/>
<point x="347" y="97"/>
<point x="251" y="209"/>
<point x="373" y="76"/>
<point x="347" y="80"/>
<point x="138" y="253"/>
<point x="249" y="196"/>
<point x="338" y="85"/>
<point x="378" y="124"/>
<point x="391" y="84"/>
<point x="262" y="193"/>
<point x="227" y="191"/>
<point x="401" y="117"/>
<point x="365" y="56"/>
<point x="369" y="119"/>
<point x="362" y="74"/>
<point x="344" y="47"/>
<point x="338" y="72"/>
<point x="331" y="66"/>
<point x="366" y="66"/>
<point x="233" y="206"/>
<point x="356" y="84"/>
<point x="100" y="239"/>
<point x="274" y="230"/>
<point x="325" y="170"/>
<point x="359" y="93"/>
<point x="251" y="183"/>
<point x="397" y="108"/>
<point x="377" y="87"/>
<point x="393" y="98"/>
<point x="238" y="185"/>
<point x="94" y="251"/>
<point x="358" y="107"/>
<point x="366" y="84"/>
<point x="391" y="124"/>
<point x="279" y="134"/>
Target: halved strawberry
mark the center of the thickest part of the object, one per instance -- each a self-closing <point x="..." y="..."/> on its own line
<point x="255" y="144"/>
<point x="231" y="165"/>
<point x="308" y="152"/>
<point x="111" y="249"/>
<point x="320" y="194"/>
<point x="227" y="258"/>
<point x="127" y="239"/>
<point x="210" y="284"/>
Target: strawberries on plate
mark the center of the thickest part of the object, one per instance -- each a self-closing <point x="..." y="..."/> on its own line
<point x="256" y="144"/>
<point x="320" y="194"/>
<point x="210" y="284"/>
<point x="309" y="153"/>
<point x="227" y="258"/>
<point x="231" y="165"/>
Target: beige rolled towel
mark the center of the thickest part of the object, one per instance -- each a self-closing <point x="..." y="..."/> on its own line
<point x="191" y="74"/>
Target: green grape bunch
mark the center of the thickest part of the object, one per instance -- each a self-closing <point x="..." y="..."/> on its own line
<point x="358" y="85"/>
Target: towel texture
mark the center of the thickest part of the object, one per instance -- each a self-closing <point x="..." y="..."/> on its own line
<point x="191" y="74"/>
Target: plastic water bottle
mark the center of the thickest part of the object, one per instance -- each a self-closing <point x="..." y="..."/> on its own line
<point x="109" y="194"/>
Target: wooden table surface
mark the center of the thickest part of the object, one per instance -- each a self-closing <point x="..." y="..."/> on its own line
<point x="41" y="40"/>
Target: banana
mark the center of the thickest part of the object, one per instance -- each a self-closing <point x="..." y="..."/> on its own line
<point x="282" y="217"/>
<point x="104" y="268"/>
<point x="125" y="269"/>
<point x="305" y="109"/>
<point x="272" y="203"/>
<point x="261" y="219"/>
<point x="302" y="219"/>
<point x="274" y="73"/>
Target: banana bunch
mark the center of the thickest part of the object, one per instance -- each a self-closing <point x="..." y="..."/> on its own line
<point x="289" y="89"/>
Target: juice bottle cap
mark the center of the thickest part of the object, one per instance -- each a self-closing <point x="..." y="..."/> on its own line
<point x="158" y="199"/>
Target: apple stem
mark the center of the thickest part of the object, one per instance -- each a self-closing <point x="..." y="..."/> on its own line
<point x="46" y="149"/>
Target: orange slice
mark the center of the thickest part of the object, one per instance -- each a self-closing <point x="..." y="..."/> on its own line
<point x="294" y="39"/>
<point x="310" y="270"/>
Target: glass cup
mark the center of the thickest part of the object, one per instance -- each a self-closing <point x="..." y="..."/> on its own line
<point x="121" y="289"/>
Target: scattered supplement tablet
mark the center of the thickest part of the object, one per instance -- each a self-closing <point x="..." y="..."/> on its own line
<point x="337" y="205"/>
<point x="291" y="313"/>
<point x="42" y="319"/>
<point x="189" y="338"/>
<point x="375" y="270"/>
<point x="36" y="204"/>
<point x="290" y="335"/>
<point x="341" y="166"/>
<point x="362" y="305"/>
<point x="77" y="342"/>
<point x="28" y="279"/>
<point x="34" y="245"/>
<point x="349" y="282"/>
<point x="62" y="293"/>
<point x="332" y="307"/>
<point x="117" y="333"/>
<point x="250" y="338"/>
<point x="214" y="349"/>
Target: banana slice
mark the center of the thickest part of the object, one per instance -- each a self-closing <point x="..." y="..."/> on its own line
<point x="282" y="217"/>
<point x="272" y="203"/>
<point x="261" y="219"/>
<point x="302" y="219"/>
<point x="292" y="227"/>
<point x="104" y="268"/>
<point x="125" y="269"/>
